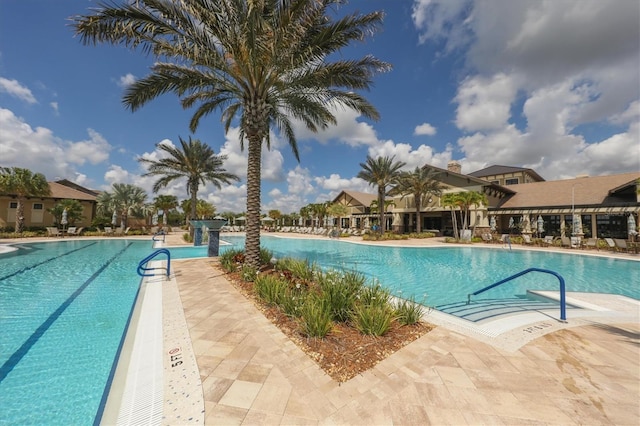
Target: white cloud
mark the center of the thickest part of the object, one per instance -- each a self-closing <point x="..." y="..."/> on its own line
<point x="348" y="130"/>
<point x="485" y="103"/>
<point x="424" y="129"/>
<point x="126" y="80"/>
<point x="94" y="151"/>
<point x="423" y="154"/>
<point x="17" y="90"/>
<point x="54" y="107"/>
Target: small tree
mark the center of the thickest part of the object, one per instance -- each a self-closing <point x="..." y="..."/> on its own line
<point x="22" y="183"/>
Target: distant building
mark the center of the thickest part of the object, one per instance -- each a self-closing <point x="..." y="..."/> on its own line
<point x="517" y="198"/>
<point x="35" y="209"/>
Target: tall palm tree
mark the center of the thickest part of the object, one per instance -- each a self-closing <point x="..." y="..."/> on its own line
<point x="262" y="63"/>
<point x="22" y="183"/>
<point x="165" y="203"/>
<point x="381" y="172"/>
<point x="205" y="209"/>
<point x="421" y="183"/>
<point x="195" y="162"/>
<point x="467" y="199"/>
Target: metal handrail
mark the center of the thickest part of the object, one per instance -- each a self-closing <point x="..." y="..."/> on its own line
<point x="563" y="303"/>
<point x="141" y="266"/>
<point x="161" y="232"/>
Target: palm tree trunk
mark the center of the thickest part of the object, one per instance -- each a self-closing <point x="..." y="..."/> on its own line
<point x="418" y="201"/>
<point x="381" y="209"/>
<point x="20" y="216"/>
<point x="252" y="239"/>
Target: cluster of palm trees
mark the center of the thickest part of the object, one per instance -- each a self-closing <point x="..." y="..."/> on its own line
<point x="22" y="183"/>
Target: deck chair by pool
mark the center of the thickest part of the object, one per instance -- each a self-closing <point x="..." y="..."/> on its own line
<point x="592" y="243"/>
<point x="487" y="238"/>
<point x="527" y="239"/>
<point x="548" y="240"/>
<point x="621" y="245"/>
<point x="108" y="230"/>
<point x="610" y="244"/>
<point x="52" y="231"/>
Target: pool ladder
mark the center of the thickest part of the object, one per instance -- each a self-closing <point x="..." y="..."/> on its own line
<point x="142" y="269"/>
<point x="563" y="303"/>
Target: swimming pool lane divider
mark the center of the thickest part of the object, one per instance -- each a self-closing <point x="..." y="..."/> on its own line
<point x="15" y="358"/>
<point x="563" y="302"/>
<point x="45" y="261"/>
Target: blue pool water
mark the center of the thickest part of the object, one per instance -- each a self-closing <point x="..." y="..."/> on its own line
<point x="442" y="275"/>
<point x="64" y="307"/>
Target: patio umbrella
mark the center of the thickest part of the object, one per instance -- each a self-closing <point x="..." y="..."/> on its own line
<point x="267" y="219"/>
<point x="631" y="225"/>
<point x="540" y="224"/>
<point x="511" y="224"/>
<point x="240" y="219"/>
<point x="114" y="218"/>
<point x="154" y="219"/>
<point x="577" y="224"/>
<point x="64" y="217"/>
<point x="492" y="223"/>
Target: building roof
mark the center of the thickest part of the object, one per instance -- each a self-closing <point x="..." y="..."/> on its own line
<point x="502" y="170"/>
<point x="60" y="191"/>
<point x="445" y="174"/>
<point x="583" y="191"/>
<point x="360" y="198"/>
<point x="80" y="188"/>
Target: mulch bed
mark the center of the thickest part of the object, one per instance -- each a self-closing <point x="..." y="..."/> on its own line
<point x="344" y="352"/>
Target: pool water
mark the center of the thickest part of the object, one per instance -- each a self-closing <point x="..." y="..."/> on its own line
<point x="442" y="275"/>
<point x="64" y="307"/>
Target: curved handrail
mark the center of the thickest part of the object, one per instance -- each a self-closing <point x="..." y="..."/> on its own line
<point x="563" y="303"/>
<point x="141" y="266"/>
<point x="161" y="232"/>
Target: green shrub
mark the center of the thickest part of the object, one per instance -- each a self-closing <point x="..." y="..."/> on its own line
<point x="292" y="301"/>
<point x="265" y="256"/>
<point x="270" y="289"/>
<point x="373" y="320"/>
<point x="249" y="273"/>
<point x="341" y="290"/>
<point x="299" y="268"/>
<point x="316" y="318"/>
<point x="408" y="312"/>
<point x="374" y="295"/>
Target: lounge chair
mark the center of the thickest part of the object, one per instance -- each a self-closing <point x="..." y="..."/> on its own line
<point x="487" y="238"/>
<point x="108" y="230"/>
<point x="621" y="245"/>
<point x="592" y="243"/>
<point x="52" y="231"/>
<point x="548" y="240"/>
<point x="610" y="244"/>
<point x="566" y="242"/>
<point x="527" y="239"/>
<point x="71" y="230"/>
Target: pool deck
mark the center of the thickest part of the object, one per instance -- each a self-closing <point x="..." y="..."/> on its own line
<point x="525" y="370"/>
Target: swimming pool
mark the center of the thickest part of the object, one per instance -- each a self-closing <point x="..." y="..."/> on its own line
<point x="442" y="275"/>
<point x="64" y="307"/>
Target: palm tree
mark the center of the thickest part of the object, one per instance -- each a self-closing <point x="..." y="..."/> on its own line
<point x="421" y="183"/>
<point x="467" y="199"/>
<point x="125" y="200"/>
<point x="261" y="63"/>
<point x="452" y="201"/>
<point x="165" y="203"/>
<point x="73" y="208"/>
<point x="205" y="209"/>
<point x="22" y="183"/>
<point x="195" y="162"/>
<point x="382" y="172"/>
<point x="338" y="210"/>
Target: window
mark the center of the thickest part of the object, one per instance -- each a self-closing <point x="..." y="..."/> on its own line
<point x="512" y="181"/>
<point x="13" y="205"/>
<point x="37" y="206"/>
<point x="496" y="182"/>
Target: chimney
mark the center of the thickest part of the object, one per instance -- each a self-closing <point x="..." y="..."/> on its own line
<point x="454" y="166"/>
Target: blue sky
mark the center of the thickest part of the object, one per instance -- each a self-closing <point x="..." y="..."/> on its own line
<point x="550" y="85"/>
